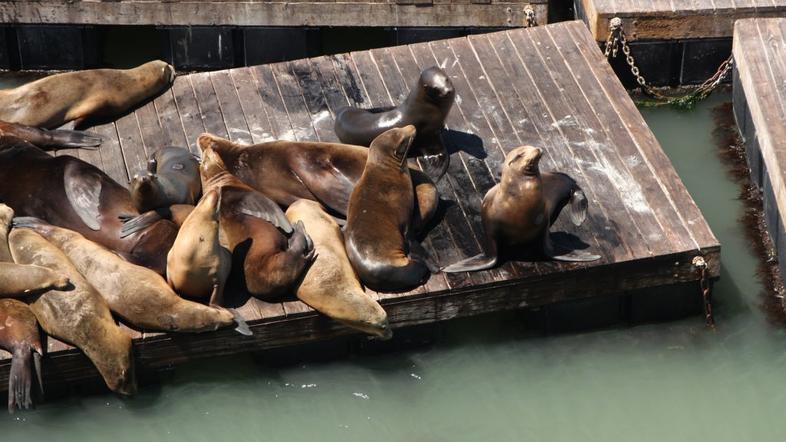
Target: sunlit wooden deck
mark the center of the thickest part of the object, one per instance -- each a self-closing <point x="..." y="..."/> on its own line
<point x="548" y="86"/>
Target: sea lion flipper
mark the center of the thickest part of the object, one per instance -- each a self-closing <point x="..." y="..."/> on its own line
<point x="20" y="381"/>
<point x="258" y="205"/>
<point x="578" y="207"/>
<point x="83" y="190"/>
<point x="475" y="263"/>
<point x="558" y="252"/>
<point x="435" y="159"/>
<point x="37" y="365"/>
<point x="329" y="185"/>
<point x="242" y="326"/>
<point x="73" y="139"/>
<point x="133" y="224"/>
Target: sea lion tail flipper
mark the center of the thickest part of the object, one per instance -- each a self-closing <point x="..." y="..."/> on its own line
<point x="435" y="166"/>
<point x="242" y="327"/>
<point x="73" y="138"/>
<point x="20" y="381"/>
<point x="475" y="263"/>
<point x="578" y="207"/>
<point x="30" y="222"/>
<point x="133" y="224"/>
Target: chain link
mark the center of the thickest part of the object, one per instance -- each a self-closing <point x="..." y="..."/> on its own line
<point x="529" y="17"/>
<point x="706" y="293"/>
<point x="617" y="40"/>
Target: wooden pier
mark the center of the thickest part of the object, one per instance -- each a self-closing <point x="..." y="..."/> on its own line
<point x="475" y="13"/>
<point x="548" y="86"/>
<point x="760" y="111"/>
<point x="674" y="42"/>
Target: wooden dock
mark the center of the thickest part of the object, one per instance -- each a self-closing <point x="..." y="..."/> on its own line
<point x="760" y="111"/>
<point x="474" y="13"/>
<point x="673" y="19"/>
<point x="547" y="86"/>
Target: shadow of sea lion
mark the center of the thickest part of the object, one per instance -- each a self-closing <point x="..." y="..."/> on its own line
<point x="462" y="141"/>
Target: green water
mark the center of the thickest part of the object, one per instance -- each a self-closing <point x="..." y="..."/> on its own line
<point x="488" y="378"/>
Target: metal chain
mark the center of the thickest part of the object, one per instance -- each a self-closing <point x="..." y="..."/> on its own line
<point x="617" y="40"/>
<point x="529" y="17"/>
<point x="706" y="294"/>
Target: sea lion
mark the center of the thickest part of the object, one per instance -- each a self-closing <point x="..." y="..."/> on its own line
<point x="79" y="316"/>
<point x="518" y="211"/>
<point x="331" y="286"/>
<point x="83" y="96"/>
<point x="19" y="336"/>
<point x="68" y="192"/>
<point x="172" y="177"/>
<point x="135" y="293"/>
<point x="198" y="265"/>
<point x="426" y="107"/>
<point x="51" y="139"/>
<point x="18" y="279"/>
<point x="272" y="254"/>
<point x="287" y="171"/>
<point x="378" y="220"/>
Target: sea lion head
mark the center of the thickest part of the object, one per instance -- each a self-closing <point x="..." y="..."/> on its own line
<point x="391" y="147"/>
<point x="146" y="191"/>
<point x="436" y="86"/>
<point x="372" y="320"/>
<point x="212" y="164"/>
<point x="524" y="160"/>
<point x="161" y="70"/>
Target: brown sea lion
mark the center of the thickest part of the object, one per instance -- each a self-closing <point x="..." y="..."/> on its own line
<point x="426" y="107"/>
<point x="198" y="265"/>
<point x="331" y="286"/>
<point x="172" y="177"/>
<point x="377" y="232"/>
<point x="272" y="254"/>
<point x="19" y="336"/>
<point x="134" y="293"/>
<point x="51" y="139"/>
<point x="83" y="96"/>
<point x="287" y="171"/>
<point x="68" y="192"/>
<point x="518" y="211"/>
<point x="17" y="280"/>
<point x="79" y="316"/>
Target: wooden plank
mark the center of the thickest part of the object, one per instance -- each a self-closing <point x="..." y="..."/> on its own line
<point x="209" y="108"/>
<point x="131" y="142"/>
<point x="281" y="127"/>
<point x="172" y="127"/>
<point x="150" y="128"/>
<point x="252" y="106"/>
<point x="231" y="109"/>
<point x="271" y="13"/>
<point x="188" y="109"/>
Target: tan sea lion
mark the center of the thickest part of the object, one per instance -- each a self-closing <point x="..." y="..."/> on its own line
<point x="331" y="286"/>
<point x="273" y="254"/>
<point x="377" y="232"/>
<point x="17" y="280"/>
<point x="198" y="265"/>
<point x="19" y="336"/>
<point x="426" y="107"/>
<point x="83" y="96"/>
<point x="68" y="192"/>
<point x="136" y="294"/>
<point x="287" y="171"/>
<point x="79" y="316"/>
<point x="172" y="177"/>
<point x="518" y="211"/>
<point x="51" y="139"/>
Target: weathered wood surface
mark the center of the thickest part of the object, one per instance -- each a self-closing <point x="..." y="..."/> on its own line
<point x="548" y="86"/>
<point x="760" y="109"/>
<point x="473" y="13"/>
<point x="674" y="19"/>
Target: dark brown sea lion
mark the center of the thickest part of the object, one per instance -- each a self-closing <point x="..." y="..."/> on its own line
<point x="83" y="95"/>
<point x="172" y="177"/>
<point x="17" y="280"/>
<point x="51" y="139"/>
<point x="134" y="293"/>
<point x="19" y="336"/>
<point x="198" y="265"/>
<point x="287" y="171"/>
<point x="68" y="192"/>
<point x="79" y="316"/>
<point x="272" y="254"/>
<point x="518" y="211"/>
<point x="426" y="107"/>
<point x="331" y="286"/>
<point x="377" y="233"/>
